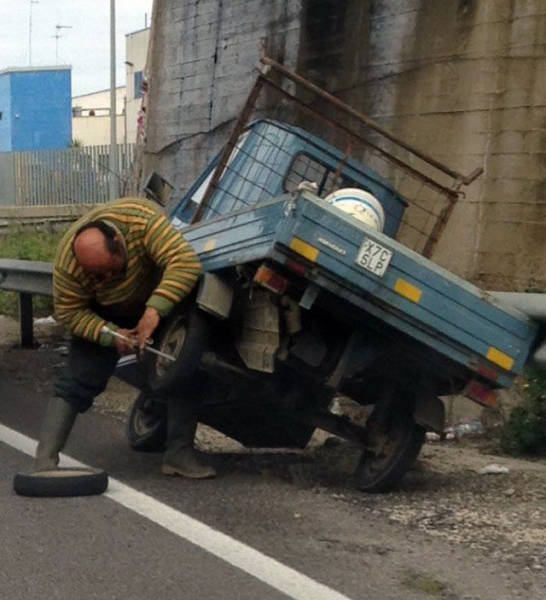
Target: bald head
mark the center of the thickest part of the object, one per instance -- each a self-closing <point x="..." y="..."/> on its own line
<point x="91" y="250"/>
<point x="99" y="254"/>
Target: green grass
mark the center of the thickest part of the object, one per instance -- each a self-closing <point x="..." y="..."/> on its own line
<point x="27" y="244"/>
<point x="525" y="430"/>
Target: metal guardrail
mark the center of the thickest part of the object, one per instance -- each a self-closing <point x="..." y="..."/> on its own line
<point x="27" y="277"/>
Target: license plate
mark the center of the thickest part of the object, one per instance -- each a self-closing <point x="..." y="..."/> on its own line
<point x="374" y="257"/>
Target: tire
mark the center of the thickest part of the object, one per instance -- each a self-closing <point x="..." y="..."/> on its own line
<point x="185" y="335"/>
<point x="147" y="424"/>
<point x="402" y="441"/>
<point x="61" y="482"/>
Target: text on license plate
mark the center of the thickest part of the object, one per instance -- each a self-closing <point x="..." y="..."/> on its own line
<point x="374" y="257"/>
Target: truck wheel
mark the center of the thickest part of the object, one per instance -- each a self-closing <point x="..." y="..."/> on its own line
<point x="398" y="445"/>
<point x="147" y="424"/>
<point x="184" y="335"/>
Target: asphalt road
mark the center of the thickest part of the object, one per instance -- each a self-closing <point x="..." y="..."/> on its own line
<point x="279" y="540"/>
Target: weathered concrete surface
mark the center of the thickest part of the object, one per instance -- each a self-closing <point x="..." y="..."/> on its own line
<point x="464" y="80"/>
<point x="204" y="62"/>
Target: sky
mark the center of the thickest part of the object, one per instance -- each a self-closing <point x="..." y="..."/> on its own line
<point x="85" y="45"/>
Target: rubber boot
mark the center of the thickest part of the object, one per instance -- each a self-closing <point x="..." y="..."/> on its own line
<point x="181" y="458"/>
<point x="56" y="426"/>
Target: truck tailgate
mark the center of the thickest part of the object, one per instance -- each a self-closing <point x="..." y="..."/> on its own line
<point x="414" y="294"/>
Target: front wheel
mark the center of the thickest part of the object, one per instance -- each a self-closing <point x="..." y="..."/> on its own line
<point x="397" y="443"/>
<point x="184" y="335"/>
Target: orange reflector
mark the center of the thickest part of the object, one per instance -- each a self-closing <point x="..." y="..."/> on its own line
<point x="480" y="393"/>
<point x="309" y="252"/>
<point x="499" y="358"/>
<point x="407" y="290"/>
<point x="271" y="280"/>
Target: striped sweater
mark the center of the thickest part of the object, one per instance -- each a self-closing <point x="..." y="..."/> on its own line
<point x="162" y="268"/>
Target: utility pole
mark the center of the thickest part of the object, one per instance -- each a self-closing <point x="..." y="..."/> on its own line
<point x="57" y="36"/>
<point x="114" y="186"/>
<point x="30" y="31"/>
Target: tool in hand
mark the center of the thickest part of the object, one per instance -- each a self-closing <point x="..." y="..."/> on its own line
<point x="106" y="329"/>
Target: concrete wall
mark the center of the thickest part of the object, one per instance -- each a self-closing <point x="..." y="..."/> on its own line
<point x="204" y="60"/>
<point x="464" y="80"/>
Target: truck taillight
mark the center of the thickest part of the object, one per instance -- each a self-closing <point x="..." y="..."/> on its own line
<point x="480" y="393"/>
<point x="266" y="277"/>
<point x="295" y="266"/>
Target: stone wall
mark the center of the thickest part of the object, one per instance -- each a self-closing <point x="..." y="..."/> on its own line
<point x="205" y="59"/>
<point x="464" y="80"/>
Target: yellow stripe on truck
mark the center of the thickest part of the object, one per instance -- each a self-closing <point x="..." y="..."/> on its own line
<point x="408" y="290"/>
<point x="306" y="250"/>
<point x="500" y="358"/>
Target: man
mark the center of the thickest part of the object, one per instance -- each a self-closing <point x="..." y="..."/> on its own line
<point x="122" y="265"/>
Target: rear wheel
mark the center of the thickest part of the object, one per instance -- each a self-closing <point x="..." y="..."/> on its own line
<point x="147" y="425"/>
<point x="397" y="443"/>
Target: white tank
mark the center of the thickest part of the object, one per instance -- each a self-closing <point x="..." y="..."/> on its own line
<point x="359" y="204"/>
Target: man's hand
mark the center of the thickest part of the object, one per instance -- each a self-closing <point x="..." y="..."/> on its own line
<point x="146" y="326"/>
<point x="124" y="347"/>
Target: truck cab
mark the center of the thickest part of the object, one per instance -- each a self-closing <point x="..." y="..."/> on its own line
<point x="273" y="158"/>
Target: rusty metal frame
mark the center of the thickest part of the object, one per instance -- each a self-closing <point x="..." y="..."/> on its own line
<point x="465" y="179"/>
<point x="451" y="194"/>
<point x="356" y="137"/>
<point x="242" y="120"/>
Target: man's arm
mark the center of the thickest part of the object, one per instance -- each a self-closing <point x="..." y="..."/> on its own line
<point x="180" y="264"/>
<point x="181" y="269"/>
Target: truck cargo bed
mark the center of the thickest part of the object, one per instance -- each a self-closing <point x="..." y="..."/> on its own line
<point x="411" y="293"/>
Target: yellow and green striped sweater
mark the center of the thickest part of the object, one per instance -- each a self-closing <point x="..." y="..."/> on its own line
<point x="162" y="269"/>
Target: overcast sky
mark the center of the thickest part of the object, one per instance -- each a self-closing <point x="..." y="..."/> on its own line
<point x="86" y="46"/>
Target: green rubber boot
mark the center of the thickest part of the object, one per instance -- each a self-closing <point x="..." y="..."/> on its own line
<point x="181" y="458"/>
<point x="56" y="426"/>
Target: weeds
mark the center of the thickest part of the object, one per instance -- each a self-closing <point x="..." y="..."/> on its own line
<point x="525" y="430"/>
<point x="27" y="244"/>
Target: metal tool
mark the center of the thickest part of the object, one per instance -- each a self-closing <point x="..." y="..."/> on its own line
<point x="106" y="329"/>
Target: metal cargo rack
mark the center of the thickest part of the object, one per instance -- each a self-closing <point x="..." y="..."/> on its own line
<point x="429" y="189"/>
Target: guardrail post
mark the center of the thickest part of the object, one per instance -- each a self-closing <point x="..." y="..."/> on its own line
<point x="25" y="318"/>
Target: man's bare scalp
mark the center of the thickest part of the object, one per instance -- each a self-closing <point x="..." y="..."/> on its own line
<point x="91" y="251"/>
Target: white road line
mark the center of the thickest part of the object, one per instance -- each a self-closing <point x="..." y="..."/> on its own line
<point x="266" y="569"/>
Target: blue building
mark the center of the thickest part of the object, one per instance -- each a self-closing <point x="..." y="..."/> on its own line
<point x="35" y="108"/>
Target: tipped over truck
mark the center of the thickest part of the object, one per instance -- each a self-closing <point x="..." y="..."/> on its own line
<point x="316" y="229"/>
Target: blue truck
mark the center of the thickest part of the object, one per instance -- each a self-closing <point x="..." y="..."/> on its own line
<point x="304" y="298"/>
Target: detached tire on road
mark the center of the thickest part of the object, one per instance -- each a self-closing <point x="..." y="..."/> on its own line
<point x="147" y="424"/>
<point x="185" y="335"/>
<point x="399" y="445"/>
<point x="61" y="482"/>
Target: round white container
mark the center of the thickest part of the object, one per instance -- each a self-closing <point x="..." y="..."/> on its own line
<point x="359" y="204"/>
